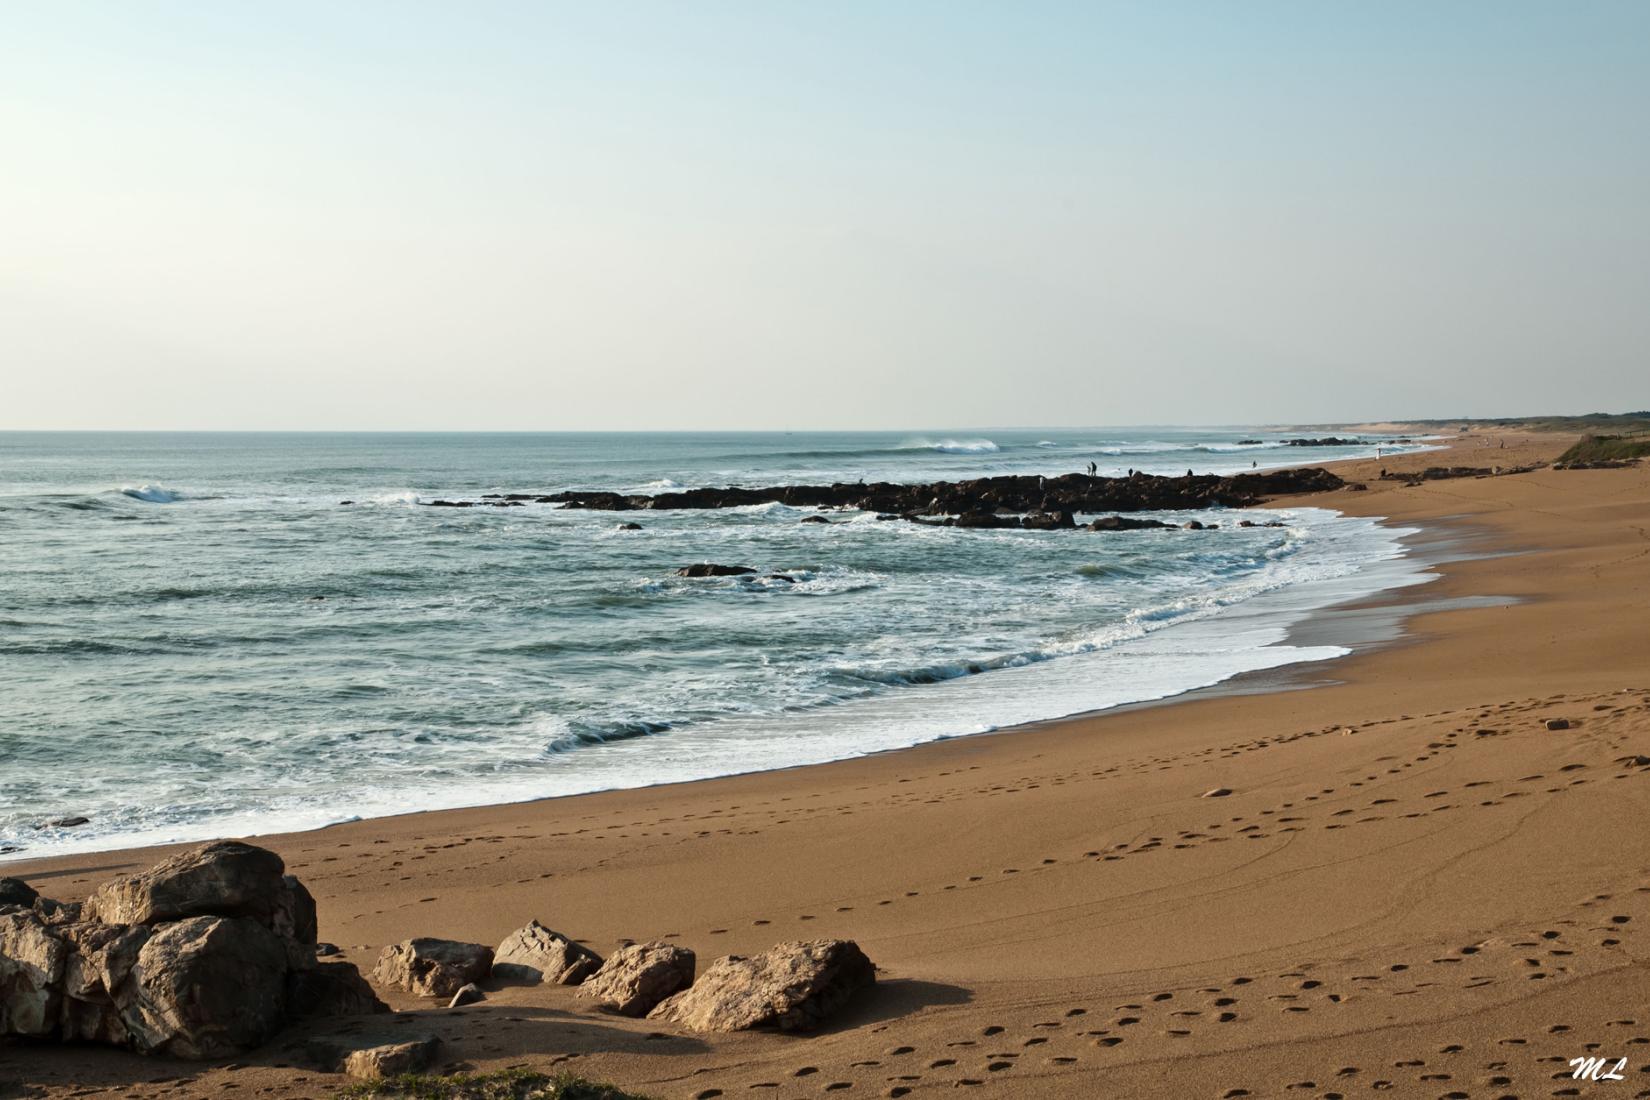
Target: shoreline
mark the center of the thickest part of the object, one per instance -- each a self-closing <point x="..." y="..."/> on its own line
<point x="1065" y="905"/>
<point x="1242" y="680"/>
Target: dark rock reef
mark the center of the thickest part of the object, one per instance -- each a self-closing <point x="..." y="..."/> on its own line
<point x="1007" y="495"/>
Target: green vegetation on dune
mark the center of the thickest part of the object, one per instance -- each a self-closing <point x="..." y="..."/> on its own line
<point x="1608" y="448"/>
<point x="1620" y="423"/>
<point x="510" y="1084"/>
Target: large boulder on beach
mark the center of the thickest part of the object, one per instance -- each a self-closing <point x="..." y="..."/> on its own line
<point x="431" y="967"/>
<point x="32" y="959"/>
<point x="635" y="978"/>
<point x="537" y="954"/>
<point x="222" y="879"/>
<point x="793" y="986"/>
<point x="205" y="987"/>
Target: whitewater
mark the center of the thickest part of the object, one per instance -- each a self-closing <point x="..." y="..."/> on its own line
<point x="197" y="639"/>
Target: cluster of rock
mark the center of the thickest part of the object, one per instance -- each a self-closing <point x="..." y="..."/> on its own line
<point x="1445" y="473"/>
<point x="1007" y="494"/>
<point x="207" y="954"/>
<point x="792" y="986"/>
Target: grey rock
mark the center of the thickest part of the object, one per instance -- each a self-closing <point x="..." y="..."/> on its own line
<point x="537" y="954"/>
<point x="792" y="986"/>
<point x="331" y="989"/>
<point x="431" y="967"/>
<point x="205" y="987"/>
<point x="223" y="879"/>
<point x="635" y="978"/>
<point x="32" y="959"/>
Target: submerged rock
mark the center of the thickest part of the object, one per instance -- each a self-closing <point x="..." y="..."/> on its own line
<point x="711" y="569"/>
<point x="793" y="986"/>
<point x="1124" y="523"/>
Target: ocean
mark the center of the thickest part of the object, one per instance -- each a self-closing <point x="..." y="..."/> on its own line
<point x="198" y="639"/>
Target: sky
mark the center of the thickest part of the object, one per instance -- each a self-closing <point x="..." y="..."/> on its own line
<point x="902" y="213"/>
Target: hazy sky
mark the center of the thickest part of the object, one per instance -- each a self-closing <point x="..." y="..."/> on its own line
<point x="618" y="214"/>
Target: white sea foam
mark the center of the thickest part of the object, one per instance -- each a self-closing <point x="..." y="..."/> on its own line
<point x="154" y="494"/>
<point x="954" y="446"/>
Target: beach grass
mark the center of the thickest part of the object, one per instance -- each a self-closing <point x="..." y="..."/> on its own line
<point x="1608" y="448"/>
<point x="509" y="1084"/>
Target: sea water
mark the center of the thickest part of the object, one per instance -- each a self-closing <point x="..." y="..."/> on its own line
<point x="198" y="639"/>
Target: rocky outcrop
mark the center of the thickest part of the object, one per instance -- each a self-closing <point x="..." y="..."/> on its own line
<point x="793" y="986"/>
<point x="31" y="975"/>
<point x="537" y="954"/>
<point x="223" y="879"/>
<point x="1447" y="473"/>
<point x="1008" y="495"/>
<point x="431" y="967"/>
<point x="711" y="569"/>
<point x="635" y="978"/>
<point x="206" y="955"/>
<point x="205" y="987"/>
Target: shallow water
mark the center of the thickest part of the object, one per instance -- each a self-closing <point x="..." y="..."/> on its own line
<point x="197" y="639"/>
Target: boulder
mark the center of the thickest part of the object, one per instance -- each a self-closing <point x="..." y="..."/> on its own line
<point x="630" y="527"/>
<point x="985" y="521"/>
<point x="205" y="987"/>
<point x="1217" y="792"/>
<point x="393" y="1059"/>
<point x="537" y="954"/>
<point x="813" y="519"/>
<point x="1123" y="523"/>
<point x="711" y="569"/>
<point x="793" y="986"/>
<point x="331" y="989"/>
<point x="1049" y="521"/>
<point x="222" y="879"/>
<point x="372" y="1055"/>
<point x="101" y="957"/>
<point x="32" y="960"/>
<point x="431" y="967"/>
<point x="1558" y="723"/>
<point x="14" y="891"/>
<point x="635" y="978"/>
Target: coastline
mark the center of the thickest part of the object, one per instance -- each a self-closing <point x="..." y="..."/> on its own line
<point x="1069" y="674"/>
<point x="1110" y="881"/>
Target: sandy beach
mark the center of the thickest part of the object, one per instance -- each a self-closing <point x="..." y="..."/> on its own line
<point x="1411" y="886"/>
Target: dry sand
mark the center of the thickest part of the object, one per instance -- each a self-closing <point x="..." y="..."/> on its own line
<point x="1413" y="887"/>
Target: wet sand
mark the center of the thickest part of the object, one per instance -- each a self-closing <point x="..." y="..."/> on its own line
<point x="1413" y="887"/>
